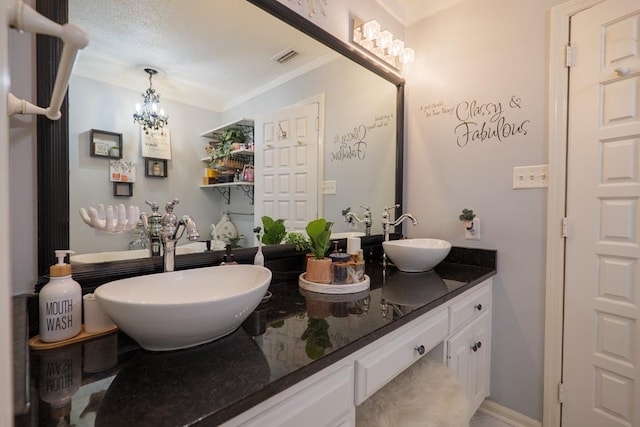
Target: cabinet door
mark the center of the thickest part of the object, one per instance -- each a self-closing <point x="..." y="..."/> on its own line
<point x="469" y="357"/>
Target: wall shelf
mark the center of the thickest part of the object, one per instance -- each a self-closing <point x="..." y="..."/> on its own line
<point x="245" y="124"/>
<point x="225" y="189"/>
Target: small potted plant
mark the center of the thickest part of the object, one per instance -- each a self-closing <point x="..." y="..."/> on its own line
<point x="466" y="217"/>
<point x="299" y="240"/>
<point x="319" y="269"/>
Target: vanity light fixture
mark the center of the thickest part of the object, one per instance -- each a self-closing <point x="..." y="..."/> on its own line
<point x="381" y="43"/>
<point x="148" y="115"/>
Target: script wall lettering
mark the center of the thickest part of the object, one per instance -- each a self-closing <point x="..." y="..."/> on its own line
<point x="352" y="145"/>
<point x="476" y="121"/>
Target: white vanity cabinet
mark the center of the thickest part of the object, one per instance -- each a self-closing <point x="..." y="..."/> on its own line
<point x="469" y="344"/>
<point x="329" y="397"/>
<point x="324" y="399"/>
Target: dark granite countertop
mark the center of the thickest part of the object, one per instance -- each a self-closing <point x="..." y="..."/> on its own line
<point x="110" y="381"/>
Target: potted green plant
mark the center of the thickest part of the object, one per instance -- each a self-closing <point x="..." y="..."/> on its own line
<point x="319" y="269"/>
<point x="225" y="146"/>
<point x="299" y="240"/>
<point x="274" y="231"/>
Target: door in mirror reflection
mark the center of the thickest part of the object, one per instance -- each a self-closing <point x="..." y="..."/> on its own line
<point x="287" y="158"/>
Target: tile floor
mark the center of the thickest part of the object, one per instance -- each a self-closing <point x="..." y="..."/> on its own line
<point x="480" y="419"/>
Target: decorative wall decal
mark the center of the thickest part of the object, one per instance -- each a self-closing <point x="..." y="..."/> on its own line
<point x="352" y="145"/>
<point x="481" y="121"/>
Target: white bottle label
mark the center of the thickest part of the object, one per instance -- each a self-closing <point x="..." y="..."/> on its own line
<point x="59" y="315"/>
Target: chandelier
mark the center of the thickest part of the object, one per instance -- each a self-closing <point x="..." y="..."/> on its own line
<point x="147" y="114"/>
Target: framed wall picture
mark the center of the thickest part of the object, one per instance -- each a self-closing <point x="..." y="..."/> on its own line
<point x="156" y="144"/>
<point x="122" y="189"/>
<point x="155" y="168"/>
<point x="105" y="144"/>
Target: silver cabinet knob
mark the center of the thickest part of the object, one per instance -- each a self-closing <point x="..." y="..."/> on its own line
<point x="420" y="349"/>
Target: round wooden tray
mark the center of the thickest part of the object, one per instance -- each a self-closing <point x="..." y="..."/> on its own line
<point x="331" y="288"/>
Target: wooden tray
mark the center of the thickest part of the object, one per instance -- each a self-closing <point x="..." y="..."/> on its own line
<point x="36" y="344"/>
<point x="331" y="288"/>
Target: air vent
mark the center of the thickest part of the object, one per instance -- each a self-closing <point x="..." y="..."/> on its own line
<point x="285" y="56"/>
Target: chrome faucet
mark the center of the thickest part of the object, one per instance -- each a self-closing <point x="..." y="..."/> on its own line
<point x="152" y="224"/>
<point x="172" y="228"/>
<point x="387" y="222"/>
<point x="351" y="217"/>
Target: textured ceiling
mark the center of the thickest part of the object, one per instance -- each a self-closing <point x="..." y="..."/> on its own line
<point x="210" y="53"/>
<point x="213" y="54"/>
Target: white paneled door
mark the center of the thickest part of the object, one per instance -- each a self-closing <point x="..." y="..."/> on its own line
<point x="601" y="368"/>
<point x="287" y="159"/>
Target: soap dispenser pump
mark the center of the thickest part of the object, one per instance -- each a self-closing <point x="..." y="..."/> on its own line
<point x="60" y="303"/>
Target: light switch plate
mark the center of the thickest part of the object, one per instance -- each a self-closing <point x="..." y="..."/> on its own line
<point x="535" y="176"/>
<point x="329" y="187"/>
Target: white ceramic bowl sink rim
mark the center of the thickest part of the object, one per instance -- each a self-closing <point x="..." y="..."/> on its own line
<point x="181" y="309"/>
<point x="416" y="255"/>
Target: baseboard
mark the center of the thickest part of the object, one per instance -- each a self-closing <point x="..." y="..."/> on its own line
<point x="509" y="416"/>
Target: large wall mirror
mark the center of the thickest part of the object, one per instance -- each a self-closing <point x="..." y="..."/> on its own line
<point x="359" y="101"/>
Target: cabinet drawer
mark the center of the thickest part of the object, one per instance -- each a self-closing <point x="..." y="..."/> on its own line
<point x="384" y="363"/>
<point x="470" y="306"/>
<point x="326" y="402"/>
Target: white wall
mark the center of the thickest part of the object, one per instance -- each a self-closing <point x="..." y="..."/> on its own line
<point x="22" y="160"/>
<point x="6" y="342"/>
<point x="491" y="52"/>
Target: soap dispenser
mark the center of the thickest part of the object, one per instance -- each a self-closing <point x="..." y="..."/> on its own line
<point x="60" y="303"/>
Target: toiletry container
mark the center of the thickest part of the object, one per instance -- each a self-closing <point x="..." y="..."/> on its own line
<point x="60" y="303"/>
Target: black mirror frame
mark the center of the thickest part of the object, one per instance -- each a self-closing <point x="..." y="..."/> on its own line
<point x="53" y="145"/>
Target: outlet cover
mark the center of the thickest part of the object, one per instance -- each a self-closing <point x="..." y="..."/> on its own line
<point x="536" y="176"/>
<point x="474" y="233"/>
<point x="329" y="187"/>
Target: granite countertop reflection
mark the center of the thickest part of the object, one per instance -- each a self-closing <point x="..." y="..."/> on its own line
<point x="111" y="381"/>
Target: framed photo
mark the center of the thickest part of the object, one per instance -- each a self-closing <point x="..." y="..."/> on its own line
<point x="122" y="189"/>
<point x="105" y="144"/>
<point x="155" y="168"/>
<point x="122" y="171"/>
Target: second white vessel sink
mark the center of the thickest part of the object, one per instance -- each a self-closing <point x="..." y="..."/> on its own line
<point x="180" y="309"/>
<point x="416" y="255"/>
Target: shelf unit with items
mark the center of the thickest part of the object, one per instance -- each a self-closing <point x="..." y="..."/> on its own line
<point x="234" y="167"/>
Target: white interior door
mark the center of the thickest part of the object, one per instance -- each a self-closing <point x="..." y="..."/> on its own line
<point x="287" y="159"/>
<point x="602" y="289"/>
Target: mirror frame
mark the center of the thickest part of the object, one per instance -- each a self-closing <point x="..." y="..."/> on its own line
<point x="53" y="149"/>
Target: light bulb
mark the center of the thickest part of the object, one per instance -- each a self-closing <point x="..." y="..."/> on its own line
<point x="371" y="29"/>
<point x="397" y="46"/>
<point x="154" y="107"/>
<point x="408" y="55"/>
<point x="384" y="39"/>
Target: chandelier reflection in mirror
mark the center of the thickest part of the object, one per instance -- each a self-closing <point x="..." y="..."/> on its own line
<point x="147" y="115"/>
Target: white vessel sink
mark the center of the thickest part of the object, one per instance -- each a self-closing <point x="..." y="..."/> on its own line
<point x="180" y="309"/>
<point x="97" y="257"/>
<point x="416" y="255"/>
<point x="346" y="234"/>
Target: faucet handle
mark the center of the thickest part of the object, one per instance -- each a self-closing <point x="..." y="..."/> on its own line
<point x="154" y="206"/>
<point x="346" y="211"/>
<point x="169" y="205"/>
